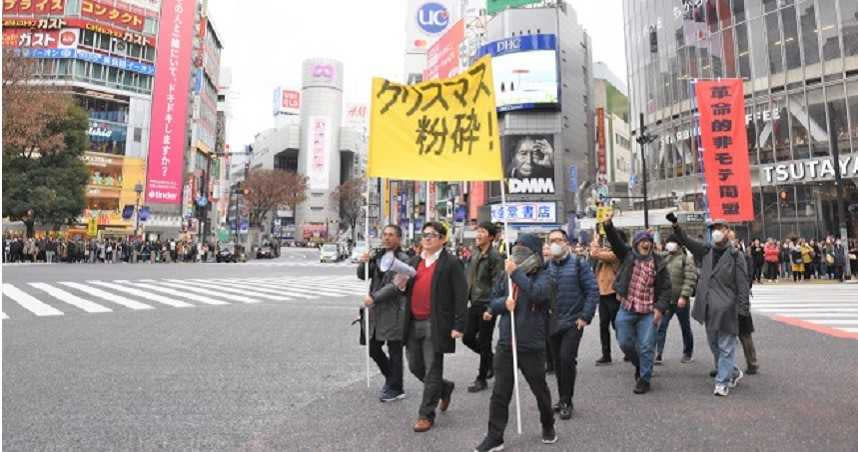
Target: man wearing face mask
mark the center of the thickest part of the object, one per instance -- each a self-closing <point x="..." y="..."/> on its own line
<point x="531" y="289"/>
<point x="643" y="290"/>
<point x="723" y="295"/>
<point x="683" y="277"/>
<point x="575" y="299"/>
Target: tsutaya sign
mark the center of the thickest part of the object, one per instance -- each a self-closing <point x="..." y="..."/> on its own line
<point x="808" y="170"/>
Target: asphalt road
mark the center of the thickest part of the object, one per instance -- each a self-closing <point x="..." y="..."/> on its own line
<point x="289" y="375"/>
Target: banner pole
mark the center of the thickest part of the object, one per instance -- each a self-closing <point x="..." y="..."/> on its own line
<point x="368" y="281"/>
<point x="511" y="314"/>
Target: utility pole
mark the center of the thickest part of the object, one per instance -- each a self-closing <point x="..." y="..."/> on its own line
<point x="838" y="183"/>
<point x="643" y="139"/>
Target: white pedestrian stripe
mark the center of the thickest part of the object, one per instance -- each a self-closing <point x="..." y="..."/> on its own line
<point x="832" y="309"/>
<point x="174" y="293"/>
<point x="212" y="293"/>
<point x="143" y="294"/>
<point x="71" y="298"/>
<point x="224" y="288"/>
<point x="298" y="287"/>
<point x="273" y="288"/>
<point x="28" y="302"/>
<point x="96" y="292"/>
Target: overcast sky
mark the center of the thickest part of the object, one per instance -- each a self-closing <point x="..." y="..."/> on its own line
<point x="265" y="42"/>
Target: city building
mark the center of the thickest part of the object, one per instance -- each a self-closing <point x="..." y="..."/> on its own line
<point x="613" y="142"/>
<point x="799" y="63"/>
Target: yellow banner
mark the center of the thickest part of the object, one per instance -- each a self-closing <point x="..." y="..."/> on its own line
<point x="601" y="215"/>
<point x="441" y="130"/>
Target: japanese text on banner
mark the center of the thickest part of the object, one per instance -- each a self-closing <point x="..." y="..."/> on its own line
<point x="725" y="149"/>
<point x="440" y="130"/>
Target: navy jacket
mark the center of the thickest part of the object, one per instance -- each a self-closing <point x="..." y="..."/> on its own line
<point x="576" y="294"/>
<point x="531" y="310"/>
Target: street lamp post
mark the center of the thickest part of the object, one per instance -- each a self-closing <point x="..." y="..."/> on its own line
<point x="644" y="139"/>
<point x="138" y="188"/>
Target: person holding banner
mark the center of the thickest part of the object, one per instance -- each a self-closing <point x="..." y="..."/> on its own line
<point x="531" y="293"/>
<point x="435" y="317"/>
<point x="643" y="289"/>
<point x="387" y="303"/>
<point x="484" y="267"/>
<point x="723" y="295"/>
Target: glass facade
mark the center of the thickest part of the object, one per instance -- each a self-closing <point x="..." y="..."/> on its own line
<point x="799" y="63"/>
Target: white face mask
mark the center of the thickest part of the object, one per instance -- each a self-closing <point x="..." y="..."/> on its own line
<point x="558" y="250"/>
<point x="717" y="236"/>
<point x="672" y="247"/>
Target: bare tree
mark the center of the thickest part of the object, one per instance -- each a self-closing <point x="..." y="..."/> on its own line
<point x="267" y="190"/>
<point x="350" y="196"/>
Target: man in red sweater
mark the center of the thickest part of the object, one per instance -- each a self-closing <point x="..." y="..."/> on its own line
<point x="435" y="317"/>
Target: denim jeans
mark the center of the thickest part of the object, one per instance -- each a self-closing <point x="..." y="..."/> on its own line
<point x="684" y="325"/>
<point x="636" y="335"/>
<point x="723" y="348"/>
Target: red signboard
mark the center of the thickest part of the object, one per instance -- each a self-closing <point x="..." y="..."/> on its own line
<point x="442" y="59"/>
<point x="172" y="78"/>
<point x="38" y="7"/>
<point x="83" y="24"/>
<point x="109" y="13"/>
<point x="600" y="139"/>
<point x="725" y="149"/>
<point x="291" y="100"/>
<point x="37" y="39"/>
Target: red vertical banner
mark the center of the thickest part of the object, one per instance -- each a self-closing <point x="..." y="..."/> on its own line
<point x="170" y="102"/>
<point x="600" y="140"/>
<point x="725" y="149"/>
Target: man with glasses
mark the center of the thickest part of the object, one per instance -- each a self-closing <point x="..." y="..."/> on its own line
<point x="435" y="317"/>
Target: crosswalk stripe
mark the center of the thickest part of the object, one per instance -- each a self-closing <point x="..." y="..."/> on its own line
<point x="300" y="287"/>
<point x="211" y="293"/>
<point x="143" y="294"/>
<point x="804" y="305"/>
<point x="96" y="292"/>
<point x="28" y="302"/>
<point x="176" y="293"/>
<point x="799" y="310"/>
<point x="3" y="316"/>
<point x="312" y="284"/>
<point x="71" y="298"/>
<point x="259" y="285"/>
<point x="252" y="293"/>
<point x="809" y="315"/>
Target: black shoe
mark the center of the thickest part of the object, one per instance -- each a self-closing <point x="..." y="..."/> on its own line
<point x="479" y="385"/>
<point x="549" y="435"/>
<point x="637" y="373"/>
<point x="603" y="361"/>
<point x="392" y="395"/>
<point x="627" y="359"/>
<point x="566" y="411"/>
<point x="557" y="406"/>
<point x="713" y="373"/>
<point x="658" y="360"/>
<point x="642" y="387"/>
<point x="490" y="374"/>
<point x="752" y="370"/>
<point x="490" y="444"/>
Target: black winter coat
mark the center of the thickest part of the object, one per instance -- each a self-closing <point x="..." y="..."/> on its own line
<point x="627" y="265"/>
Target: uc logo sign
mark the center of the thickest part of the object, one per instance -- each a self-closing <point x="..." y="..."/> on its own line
<point x="324" y="71"/>
<point x="433" y="18"/>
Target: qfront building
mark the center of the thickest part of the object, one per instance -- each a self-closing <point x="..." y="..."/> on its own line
<point x="799" y="63"/>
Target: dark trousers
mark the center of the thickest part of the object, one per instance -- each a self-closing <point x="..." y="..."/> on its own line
<point x="772" y="271"/>
<point x="565" y="348"/>
<point x="532" y="365"/>
<point x="608" y="308"/>
<point x="428" y="366"/>
<point x="478" y="337"/>
<point x="390" y="367"/>
<point x="684" y="325"/>
<point x="758" y="272"/>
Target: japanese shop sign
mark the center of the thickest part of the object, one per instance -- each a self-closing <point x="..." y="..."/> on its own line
<point x="725" y="149"/>
<point x="442" y="59"/>
<point x="54" y="23"/>
<point x="121" y="63"/>
<point x="319" y="137"/>
<point x="442" y="130"/>
<point x="811" y="170"/>
<point x="19" y="37"/>
<point x="525" y="212"/>
<point x="37" y="7"/>
<point x="602" y="155"/>
<point x="109" y="13"/>
<point x="172" y="79"/>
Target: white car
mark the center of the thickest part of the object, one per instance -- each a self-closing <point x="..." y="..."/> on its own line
<point x="357" y="253"/>
<point x="329" y="253"/>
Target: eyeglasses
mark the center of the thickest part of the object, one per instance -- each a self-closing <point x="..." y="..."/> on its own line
<point x="431" y="235"/>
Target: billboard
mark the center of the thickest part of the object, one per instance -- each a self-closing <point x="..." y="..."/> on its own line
<point x="286" y="101"/>
<point x="426" y="21"/>
<point x="356" y="114"/>
<point x="121" y="17"/>
<point x="496" y="6"/>
<point x="601" y="151"/>
<point x="525" y="212"/>
<point x="442" y="59"/>
<point x="319" y="136"/>
<point x="525" y="71"/>
<point x="36" y="8"/>
<point x="529" y="163"/>
<point x="172" y="79"/>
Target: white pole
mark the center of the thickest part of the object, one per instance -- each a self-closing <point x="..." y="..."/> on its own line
<point x="511" y="314"/>
<point x="368" y="282"/>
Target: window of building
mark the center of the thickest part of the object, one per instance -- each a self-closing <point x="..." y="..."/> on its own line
<point x="830" y="41"/>
<point x="774" y="43"/>
<point x="753" y="136"/>
<point x="837" y="118"/>
<point x="818" y="122"/>
<point x="760" y="67"/>
<point x="849" y="16"/>
<point x="717" y="47"/>
<point x="770" y="5"/>
<point x="780" y="129"/>
<point x="801" y="142"/>
<point x="744" y="54"/>
<point x="138" y="134"/>
<point x="150" y="25"/>
<point x="72" y="7"/>
<point x="87" y="38"/>
<point x="809" y="36"/>
<point x="103" y="42"/>
<point x="739" y="10"/>
<point x="791" y="45"/>
<point x="852" y="96"/>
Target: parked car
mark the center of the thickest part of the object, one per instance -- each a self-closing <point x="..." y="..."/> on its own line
<point x="226" y="253"/>
<point x="265" y="252"/>
<point x="329" y="252"/>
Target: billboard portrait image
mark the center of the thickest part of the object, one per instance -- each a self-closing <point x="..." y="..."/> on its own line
<point x="529" y="163"/>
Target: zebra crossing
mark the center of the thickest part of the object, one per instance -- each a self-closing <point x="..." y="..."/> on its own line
<point x="829" y="309"/>
<point x="42" y="299"/>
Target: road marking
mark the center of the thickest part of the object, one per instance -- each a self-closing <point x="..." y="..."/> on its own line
<point x="263" y="287"/>
<point x="143" y="294"/>
<point x="3" y="316"/>
<point x="229" y="296"/>
<point x="800" y="310"/>
<point x="254" y="293"/>
<point x="850" y="330"/>
<point x="118" y="299"/>
<point x="70" y="298"/>
<point x="837" y="322"/>
<point x="301" y="286"/>
<point x="28" y="302"/>
<point x="175" y="293"/>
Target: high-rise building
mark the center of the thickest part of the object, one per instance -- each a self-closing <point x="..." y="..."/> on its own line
<point x="799" y="63"/>
<point x="613" y="145"/>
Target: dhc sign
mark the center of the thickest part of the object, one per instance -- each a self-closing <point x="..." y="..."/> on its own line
<point x="433" y="18"/>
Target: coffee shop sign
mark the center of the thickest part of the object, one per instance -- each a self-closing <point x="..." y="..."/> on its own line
<point x="808" y="170"/>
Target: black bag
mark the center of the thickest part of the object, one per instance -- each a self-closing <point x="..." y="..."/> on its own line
<point x="362" y="333"/>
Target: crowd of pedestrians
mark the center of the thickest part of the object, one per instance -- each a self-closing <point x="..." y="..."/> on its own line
<point x="423" y="299"/>
<point x="17" y="249"/>
<point x="799" y="259"/>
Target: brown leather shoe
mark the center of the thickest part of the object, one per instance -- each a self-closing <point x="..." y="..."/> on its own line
<point x="445" y="399"/>
<point x="422" y="425"/>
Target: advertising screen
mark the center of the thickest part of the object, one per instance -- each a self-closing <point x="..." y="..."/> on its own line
<point x="529" y="163"/>
<point x="525" y="72"/>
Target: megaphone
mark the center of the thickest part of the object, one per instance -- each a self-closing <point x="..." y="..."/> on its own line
<point x="391" y="263"/>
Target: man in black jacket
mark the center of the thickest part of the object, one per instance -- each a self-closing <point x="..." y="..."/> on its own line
<point x="386" y="305"/>
<point x="643" y="289"/>
<point x="435" y="317"/>
<point x="485" y="266"/>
